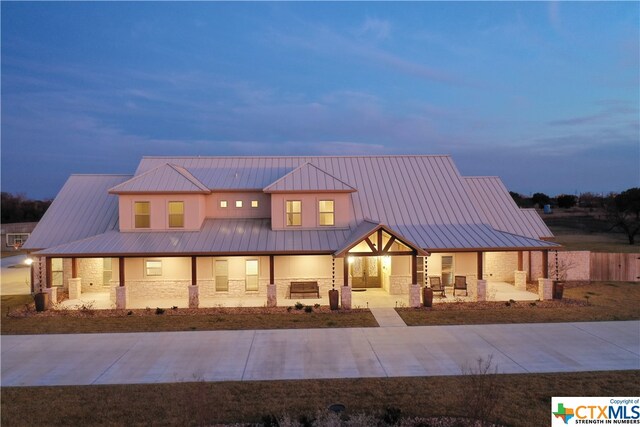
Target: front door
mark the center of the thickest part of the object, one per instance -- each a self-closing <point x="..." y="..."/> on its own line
<point x="365" y="272"/>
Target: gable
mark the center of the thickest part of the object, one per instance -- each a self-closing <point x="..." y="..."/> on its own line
<point x="165" y="178"/>
<point x="308" y="178"/>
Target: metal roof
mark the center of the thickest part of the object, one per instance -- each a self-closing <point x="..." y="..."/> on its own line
<point x="165" y="178"/>
<point x="219" y="236"/>
<point x="308" y="177"/>
<point x="82" y="208"/>
<point x="422" y="198"/>
<point x="496" y="206"/>
<point x="455" y="237"/>
<point x="390" y="189"/>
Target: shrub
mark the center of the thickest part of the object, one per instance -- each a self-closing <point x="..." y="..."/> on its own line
<point x="316" y="305"/>
<point x="298" y="305"/>
<point x="481" y="392"/>
<point x="391" y="415"/>
<point x="289" y="308"/>
<point x="159" y="310"/>
<point x="308" y="309"/>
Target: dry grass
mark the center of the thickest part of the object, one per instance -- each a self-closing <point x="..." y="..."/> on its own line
<point x="526" y="399"/>
<point x="597" y="301"/>
<point x="18" y="320"/>
<point x="595" y="242"/>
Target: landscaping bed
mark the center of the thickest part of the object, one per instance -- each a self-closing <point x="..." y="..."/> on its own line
<point x="596" y="301"/>
<point x="20" y="317"/>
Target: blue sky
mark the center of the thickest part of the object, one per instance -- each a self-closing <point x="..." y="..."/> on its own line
<point x="544" y="95"/>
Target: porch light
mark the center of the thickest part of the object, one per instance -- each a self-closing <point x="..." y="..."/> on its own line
<point x="350" y="259"/>
<point x="28" y="261"/>
<point x="386" y="261"/>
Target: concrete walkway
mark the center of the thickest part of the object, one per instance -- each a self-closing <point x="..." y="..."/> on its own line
<point x="387" y="317"/>
<point x="80" y="359"/>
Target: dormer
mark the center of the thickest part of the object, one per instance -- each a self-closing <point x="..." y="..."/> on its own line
<point x="310" y="198"/>
<point x="166" y="198"/>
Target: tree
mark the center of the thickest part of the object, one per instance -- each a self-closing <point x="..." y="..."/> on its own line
<point x="540" y="199"/>
<point x="623" y="212"/>
<point x="17" y="208"/>
<point x="566" y="201"/>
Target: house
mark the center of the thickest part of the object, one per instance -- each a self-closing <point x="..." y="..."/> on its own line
<point x="196" y="230"/>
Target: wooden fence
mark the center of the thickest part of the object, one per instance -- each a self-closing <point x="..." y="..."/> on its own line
<point x="615" y="267"/>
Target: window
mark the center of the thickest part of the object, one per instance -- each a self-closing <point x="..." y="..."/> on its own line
<point x="222" y="275"/>
<point x="251" y="275"/>
<point x="327" y="216"/>
<point x="294" y="212"/>
<point x="16" y="239"/>
<point x="142" y="212"/>
<point x="176" y="214"/>
<point x="238" y="203"/>
<point x="56" y="272"/>
<point x="107" y="271"/>
<point x="223" y="203"/>
<point x="254" y="203"/>
<point x="153" y="267"/>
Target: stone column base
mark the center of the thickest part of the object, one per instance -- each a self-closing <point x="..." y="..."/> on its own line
<point x="53" y="296"/>
<point x="521" y="280"/>
<point x="272" y="296"/>
<point x="75" y="288"/>
<point x="545" y="289"/>
<point x="194" y="296"/>
<point x="345" y="295"/>
<point x="121" y="297"/>
<point x="414" y="296"/>
<point x="481" y="290"/>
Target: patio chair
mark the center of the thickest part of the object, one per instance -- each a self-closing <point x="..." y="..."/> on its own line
<point x="436" y="285"/>
<point x="460" y="284"/>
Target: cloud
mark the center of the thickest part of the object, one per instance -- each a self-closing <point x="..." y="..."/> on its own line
<point x="326" y="41"/>
<point x="377" y="28"/>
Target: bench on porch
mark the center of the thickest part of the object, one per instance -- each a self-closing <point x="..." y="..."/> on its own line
<point x="304" y="288"/>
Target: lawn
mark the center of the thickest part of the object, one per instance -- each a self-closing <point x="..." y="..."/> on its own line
<point x="597" y="301"/>
<point x="525" y="399"/>
<point x="92" y="321"/>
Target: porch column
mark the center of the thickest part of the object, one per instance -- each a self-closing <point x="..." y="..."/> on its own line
<point x="520" y="276"/>
<point x="346" y="289"/>
<point x="47" y="277"/>
<point x="51" y="290"/>
<point x="545" y="264"/>
<point x="414" y="292"/>
<point x="121" y="290"/>
<point x="194" y="294"/>
<point x="272" y="296"/>
<point x="480" y="272"/>
<point x="75" y="283"/>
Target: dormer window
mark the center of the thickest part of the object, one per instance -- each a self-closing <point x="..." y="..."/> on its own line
<point x="142" y="214"/>
<point x="238" y="203"/>
<point x="294" y="213"/>
<point x="223" y="203"/>
<point x="326" y="212"/>
<point x="176" y="214"/>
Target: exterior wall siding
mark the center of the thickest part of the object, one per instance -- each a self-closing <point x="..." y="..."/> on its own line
<point x="193" y="210"/>
<point x="500" y="266"/>
<point x="310" y="216"/>
<point x="90" y="270"/>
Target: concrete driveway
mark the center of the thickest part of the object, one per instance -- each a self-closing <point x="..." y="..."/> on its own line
<point x="83" y="359"/>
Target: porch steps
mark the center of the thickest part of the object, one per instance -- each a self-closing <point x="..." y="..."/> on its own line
<point x="387" y="317"/>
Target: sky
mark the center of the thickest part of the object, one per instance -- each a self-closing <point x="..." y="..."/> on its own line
<point x="545" y="95"/>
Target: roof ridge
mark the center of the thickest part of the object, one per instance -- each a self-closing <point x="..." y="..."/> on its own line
<point x="195" y="181"/>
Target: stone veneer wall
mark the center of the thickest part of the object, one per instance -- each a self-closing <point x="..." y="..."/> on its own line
<point x="399" y="285"/>
<point x="90" y="271"/>
<point x="500" y="266"/>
